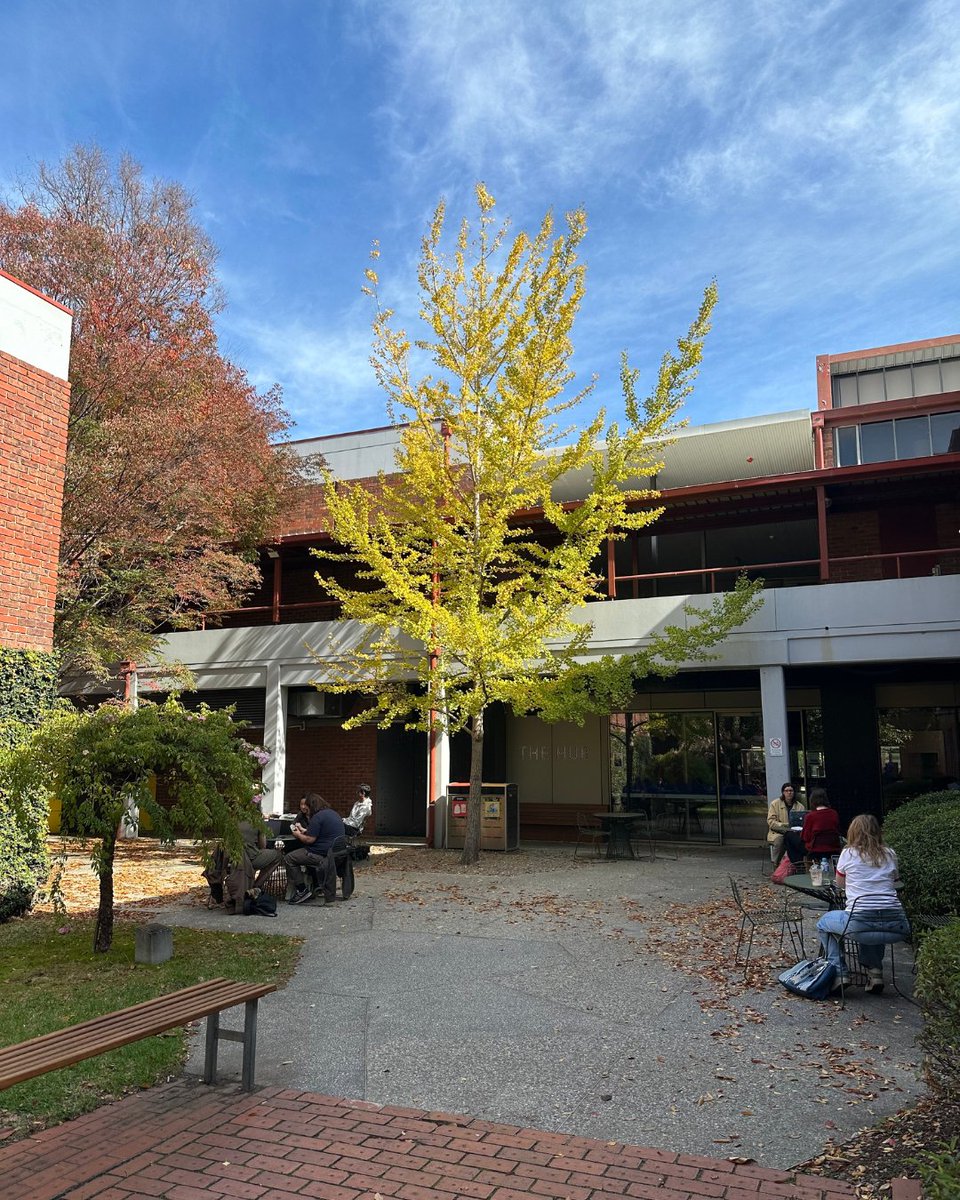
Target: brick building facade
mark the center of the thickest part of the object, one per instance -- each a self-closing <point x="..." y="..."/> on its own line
<point x="34" y="407"/>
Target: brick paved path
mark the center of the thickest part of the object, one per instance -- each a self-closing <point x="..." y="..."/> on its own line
<point x="184" y="1141"/>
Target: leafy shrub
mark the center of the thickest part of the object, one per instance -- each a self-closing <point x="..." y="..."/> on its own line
<point x="100" y="765"/>
<point x="28" y="688"/>
<point x="940" y="1172"/>
<point x="938" y="990"/>
<point x="924" y="834"/>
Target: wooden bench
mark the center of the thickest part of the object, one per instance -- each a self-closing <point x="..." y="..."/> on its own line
<point x="64" y="1047"/>
<point x="551" y="822"/>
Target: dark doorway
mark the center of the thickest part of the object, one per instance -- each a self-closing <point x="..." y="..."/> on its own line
<point x="400" y="796"/>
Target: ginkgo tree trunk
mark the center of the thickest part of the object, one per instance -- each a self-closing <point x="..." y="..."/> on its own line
<point x="462" y="602"/>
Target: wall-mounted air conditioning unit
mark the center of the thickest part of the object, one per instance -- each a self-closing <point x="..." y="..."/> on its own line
<point x="315" y="704"/>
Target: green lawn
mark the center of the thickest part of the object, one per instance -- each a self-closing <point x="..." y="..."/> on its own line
<point x="50" y="978"/>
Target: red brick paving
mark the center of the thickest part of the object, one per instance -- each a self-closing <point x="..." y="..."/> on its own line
<point x="185" y="1141"/>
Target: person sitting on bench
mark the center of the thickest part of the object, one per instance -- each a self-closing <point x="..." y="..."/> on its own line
<point x="360" y="811"/>
<point x="324" y="828"/>
<point x="261" y="858"/>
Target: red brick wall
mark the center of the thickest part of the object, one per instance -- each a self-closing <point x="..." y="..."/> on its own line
<point x="33" y="443"/>
<point x="853" y="533"/>
<point x="331" y="761"/>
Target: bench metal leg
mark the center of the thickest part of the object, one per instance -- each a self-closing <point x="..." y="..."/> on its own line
<point x="210" y="1058"/>
<point x="249" y="1044"/>
<point x="249" y="1039"/>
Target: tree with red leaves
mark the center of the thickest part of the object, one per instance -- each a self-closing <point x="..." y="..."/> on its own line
<point x="173" y="474"/>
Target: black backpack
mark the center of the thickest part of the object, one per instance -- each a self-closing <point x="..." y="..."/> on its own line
<point x="259" y="904"/>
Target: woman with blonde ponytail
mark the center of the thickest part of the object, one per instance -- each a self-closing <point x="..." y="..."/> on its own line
<point x="874" y="916"/>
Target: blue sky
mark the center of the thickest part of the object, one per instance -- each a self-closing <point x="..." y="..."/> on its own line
<point x="806" y="155"/>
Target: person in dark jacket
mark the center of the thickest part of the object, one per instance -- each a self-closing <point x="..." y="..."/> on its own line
<point x="324" y="828"/>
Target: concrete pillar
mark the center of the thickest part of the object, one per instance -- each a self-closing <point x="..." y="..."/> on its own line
<point x="776" y="747"/>
<point x="275" y="740"/>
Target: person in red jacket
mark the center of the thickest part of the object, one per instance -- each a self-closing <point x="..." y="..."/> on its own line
<point x="821" y="826"/>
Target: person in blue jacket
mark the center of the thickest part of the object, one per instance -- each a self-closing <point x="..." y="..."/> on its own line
<point x="324" y="828"/>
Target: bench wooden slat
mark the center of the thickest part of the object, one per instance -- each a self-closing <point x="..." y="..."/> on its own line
<point x="210" y="992"/>
<point x="64" y="1047"/>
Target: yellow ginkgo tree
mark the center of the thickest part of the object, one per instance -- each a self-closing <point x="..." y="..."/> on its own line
<point x="463" y="604"/>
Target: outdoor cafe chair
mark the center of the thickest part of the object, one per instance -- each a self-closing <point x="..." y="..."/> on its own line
<point x="590" y="832"/>
<point x="851" y="953"/>
<point x="785" y="916"/>
<point x="641" y="832"/>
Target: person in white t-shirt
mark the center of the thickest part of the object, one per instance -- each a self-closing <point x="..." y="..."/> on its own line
<point x="874" y="917"/>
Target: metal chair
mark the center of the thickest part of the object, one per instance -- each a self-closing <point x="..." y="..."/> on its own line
<point x="785" y="916"/>
<point x="590" y="831"/>
<point x="851" y="953"/>
<point x="769" y="858"/>
<point x="642" y="831"/>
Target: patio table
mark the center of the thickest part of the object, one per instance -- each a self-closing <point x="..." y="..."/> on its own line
<point x="620" y="827"/>
<point x="829" y="891"/>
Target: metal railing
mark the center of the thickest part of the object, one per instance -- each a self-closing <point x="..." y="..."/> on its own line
<point x="279" y="614"/>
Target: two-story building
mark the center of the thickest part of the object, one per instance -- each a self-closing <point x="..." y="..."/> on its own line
<point x="848" y="675"/>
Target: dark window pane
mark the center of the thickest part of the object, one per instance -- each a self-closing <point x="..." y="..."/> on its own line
<point x="871" y="387"/>
<point x="913" y="437"/>
<point x="782" y="541"/>
<point x="945" y="433"/>
<point x="847" y="446"/>
<point x="876" y="442"/>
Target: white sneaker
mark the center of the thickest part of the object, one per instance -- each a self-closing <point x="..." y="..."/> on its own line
<point x="874" y="982"/>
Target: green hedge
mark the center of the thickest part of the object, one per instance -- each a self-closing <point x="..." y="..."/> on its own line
<point x="28" y="689"/>
<point x="938" y="990"/>
<point x="924" y="834"/>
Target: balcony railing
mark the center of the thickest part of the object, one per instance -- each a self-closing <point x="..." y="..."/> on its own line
<point x="948" y="563"/>
<point x="942" y="561"/>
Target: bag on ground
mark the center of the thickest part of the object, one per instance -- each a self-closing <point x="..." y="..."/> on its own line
<point x="783" y="868"/>
<point x="811" y="977"/>
<point x="259" y="904"/>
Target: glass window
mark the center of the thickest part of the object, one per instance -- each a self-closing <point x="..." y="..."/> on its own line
<point x="669" y="769"/>
<point x="926" y="379"/>
<point x="919" y="751"/>
<point x="678" y="552"/>
<point x="871" y="387"/>
<point x="844" y="391"/>
<point x="945" y="433"/>
<point x="847" y="446"/>
<point x="876" y="442"/>
<point x="913" y="437"/>
<point x="950" y="373"/>
<point x="743" y="785"/>
<point x="899" y="383"/>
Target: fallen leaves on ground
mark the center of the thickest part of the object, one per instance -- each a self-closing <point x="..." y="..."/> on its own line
<point x="886" y="1151"/>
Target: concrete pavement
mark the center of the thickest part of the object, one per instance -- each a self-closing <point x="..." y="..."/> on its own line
<point x="595" y="999"/>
